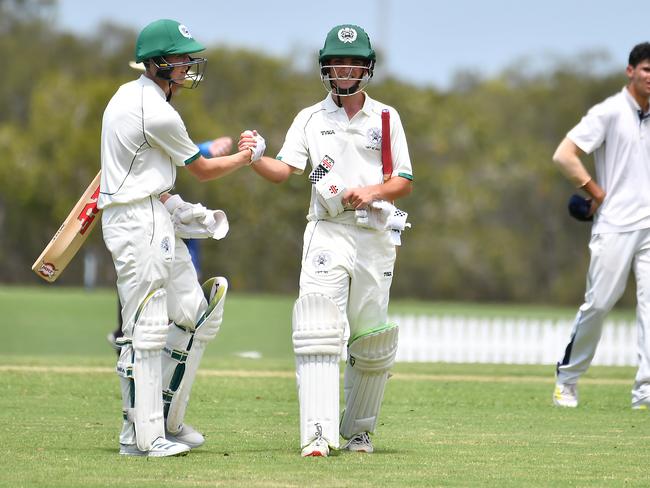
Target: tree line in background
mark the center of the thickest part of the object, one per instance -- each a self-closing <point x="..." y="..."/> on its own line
<point x="488" y="207"/>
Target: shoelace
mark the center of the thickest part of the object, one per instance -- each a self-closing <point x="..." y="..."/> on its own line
<point x="361" y="439"/>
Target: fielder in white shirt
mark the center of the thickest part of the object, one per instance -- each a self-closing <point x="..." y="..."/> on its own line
<point x="617" y="131"/>
<point x="349" y="244"/>
<point x="168" y="318"/>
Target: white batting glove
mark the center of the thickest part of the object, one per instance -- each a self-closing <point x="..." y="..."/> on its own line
<point x="194" y="221"/>
<point x="260" y="145"/>
<point x="185" y="211"/>
<point x="330" y="189"/>
<point x="383" y="215"/>
<point x="212" y="224"/>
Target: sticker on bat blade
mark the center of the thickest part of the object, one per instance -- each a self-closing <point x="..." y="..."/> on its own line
<point x="321" y="170"/>
<point x="47" y="269"/>
<point x="89" y="212"/>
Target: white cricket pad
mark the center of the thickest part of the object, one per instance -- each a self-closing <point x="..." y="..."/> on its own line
<point x="184" y="350"/>
<point x="149" y="334"/>
<point x="371" y="355"/>
<point x="318" y="329"/>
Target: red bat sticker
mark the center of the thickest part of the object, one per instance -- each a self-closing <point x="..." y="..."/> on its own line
<point x="89" y="212"/>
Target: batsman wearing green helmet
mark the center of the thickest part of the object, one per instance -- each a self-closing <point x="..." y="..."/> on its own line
<point x="168" y="318"/>
<point x="360" y="164"/>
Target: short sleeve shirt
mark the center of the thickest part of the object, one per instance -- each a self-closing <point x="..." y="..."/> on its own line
<point x="620" y="140"/>
<point x="351" y="147"/>
<point x="143" y="140"/>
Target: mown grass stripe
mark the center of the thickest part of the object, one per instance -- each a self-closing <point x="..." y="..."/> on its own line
<point x="241" y="373"/>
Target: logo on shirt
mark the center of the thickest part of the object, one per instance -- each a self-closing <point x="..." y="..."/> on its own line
<point x="327" y="133"/>
<point x="347" y="35"/>
<point x="373" y="139"/>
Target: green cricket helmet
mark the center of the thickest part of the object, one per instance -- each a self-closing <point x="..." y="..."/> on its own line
<point x="346" y="41"/>
<point x="166" y="37"/>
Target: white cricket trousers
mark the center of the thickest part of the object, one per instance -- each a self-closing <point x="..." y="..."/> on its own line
<point x="147" y="256"/>
<point x="351" y="265"/>
<point x="613" y="255"/>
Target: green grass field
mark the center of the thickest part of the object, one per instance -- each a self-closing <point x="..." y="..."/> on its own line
<point x="441" y="425"/>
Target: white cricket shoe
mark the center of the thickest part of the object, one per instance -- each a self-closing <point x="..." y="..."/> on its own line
<point x="642" y="404"/>
<point x="187" y="435"/>
<point x="161" y="447"/>
<point x="319" y="447"/>
<point x="565" y="395"/>
<point x="359" y="443"/>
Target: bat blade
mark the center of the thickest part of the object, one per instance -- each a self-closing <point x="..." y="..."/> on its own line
<point x="71" y="235"/>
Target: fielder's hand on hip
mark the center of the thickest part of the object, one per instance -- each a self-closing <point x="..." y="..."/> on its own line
<point x="584" y="209"/>
<point x="580" y="208"/>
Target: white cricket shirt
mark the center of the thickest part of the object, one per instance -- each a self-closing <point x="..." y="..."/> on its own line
<point x="620" y="140"/>
<point x="143" y="140"/>
<point x="324" y="132"/>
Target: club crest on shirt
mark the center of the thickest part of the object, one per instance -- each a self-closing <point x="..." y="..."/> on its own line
<point x="322" y="262"/>
<point x="374" y="139"/>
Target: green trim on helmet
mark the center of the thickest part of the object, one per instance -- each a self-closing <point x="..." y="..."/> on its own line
<point x="164" y="37"/>
<point x="347" y="40"/>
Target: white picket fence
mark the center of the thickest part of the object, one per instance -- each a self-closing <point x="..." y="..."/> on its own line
<point x="451" y="339"/>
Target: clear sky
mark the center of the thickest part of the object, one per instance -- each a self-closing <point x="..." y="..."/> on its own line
<point x="421" y="41"/>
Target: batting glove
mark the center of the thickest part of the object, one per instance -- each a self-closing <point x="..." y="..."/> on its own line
<point x="260" y="146"/>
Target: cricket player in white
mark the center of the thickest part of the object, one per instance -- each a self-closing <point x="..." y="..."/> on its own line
<point x="349" y="245"/>
<point x="617" y="131"/>
<point x="143" y="141"/>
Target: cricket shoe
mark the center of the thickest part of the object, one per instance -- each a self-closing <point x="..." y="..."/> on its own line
<point x="641" y="404"/>
<point x="187" y="435"/>
<point x="319" y="447"/>
<point x="161" y="447"/>
<point x="565" y="395"/>
<point x="359" y="443"/>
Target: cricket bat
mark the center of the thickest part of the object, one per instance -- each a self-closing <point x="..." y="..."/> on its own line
<point x="70" y="236"/>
